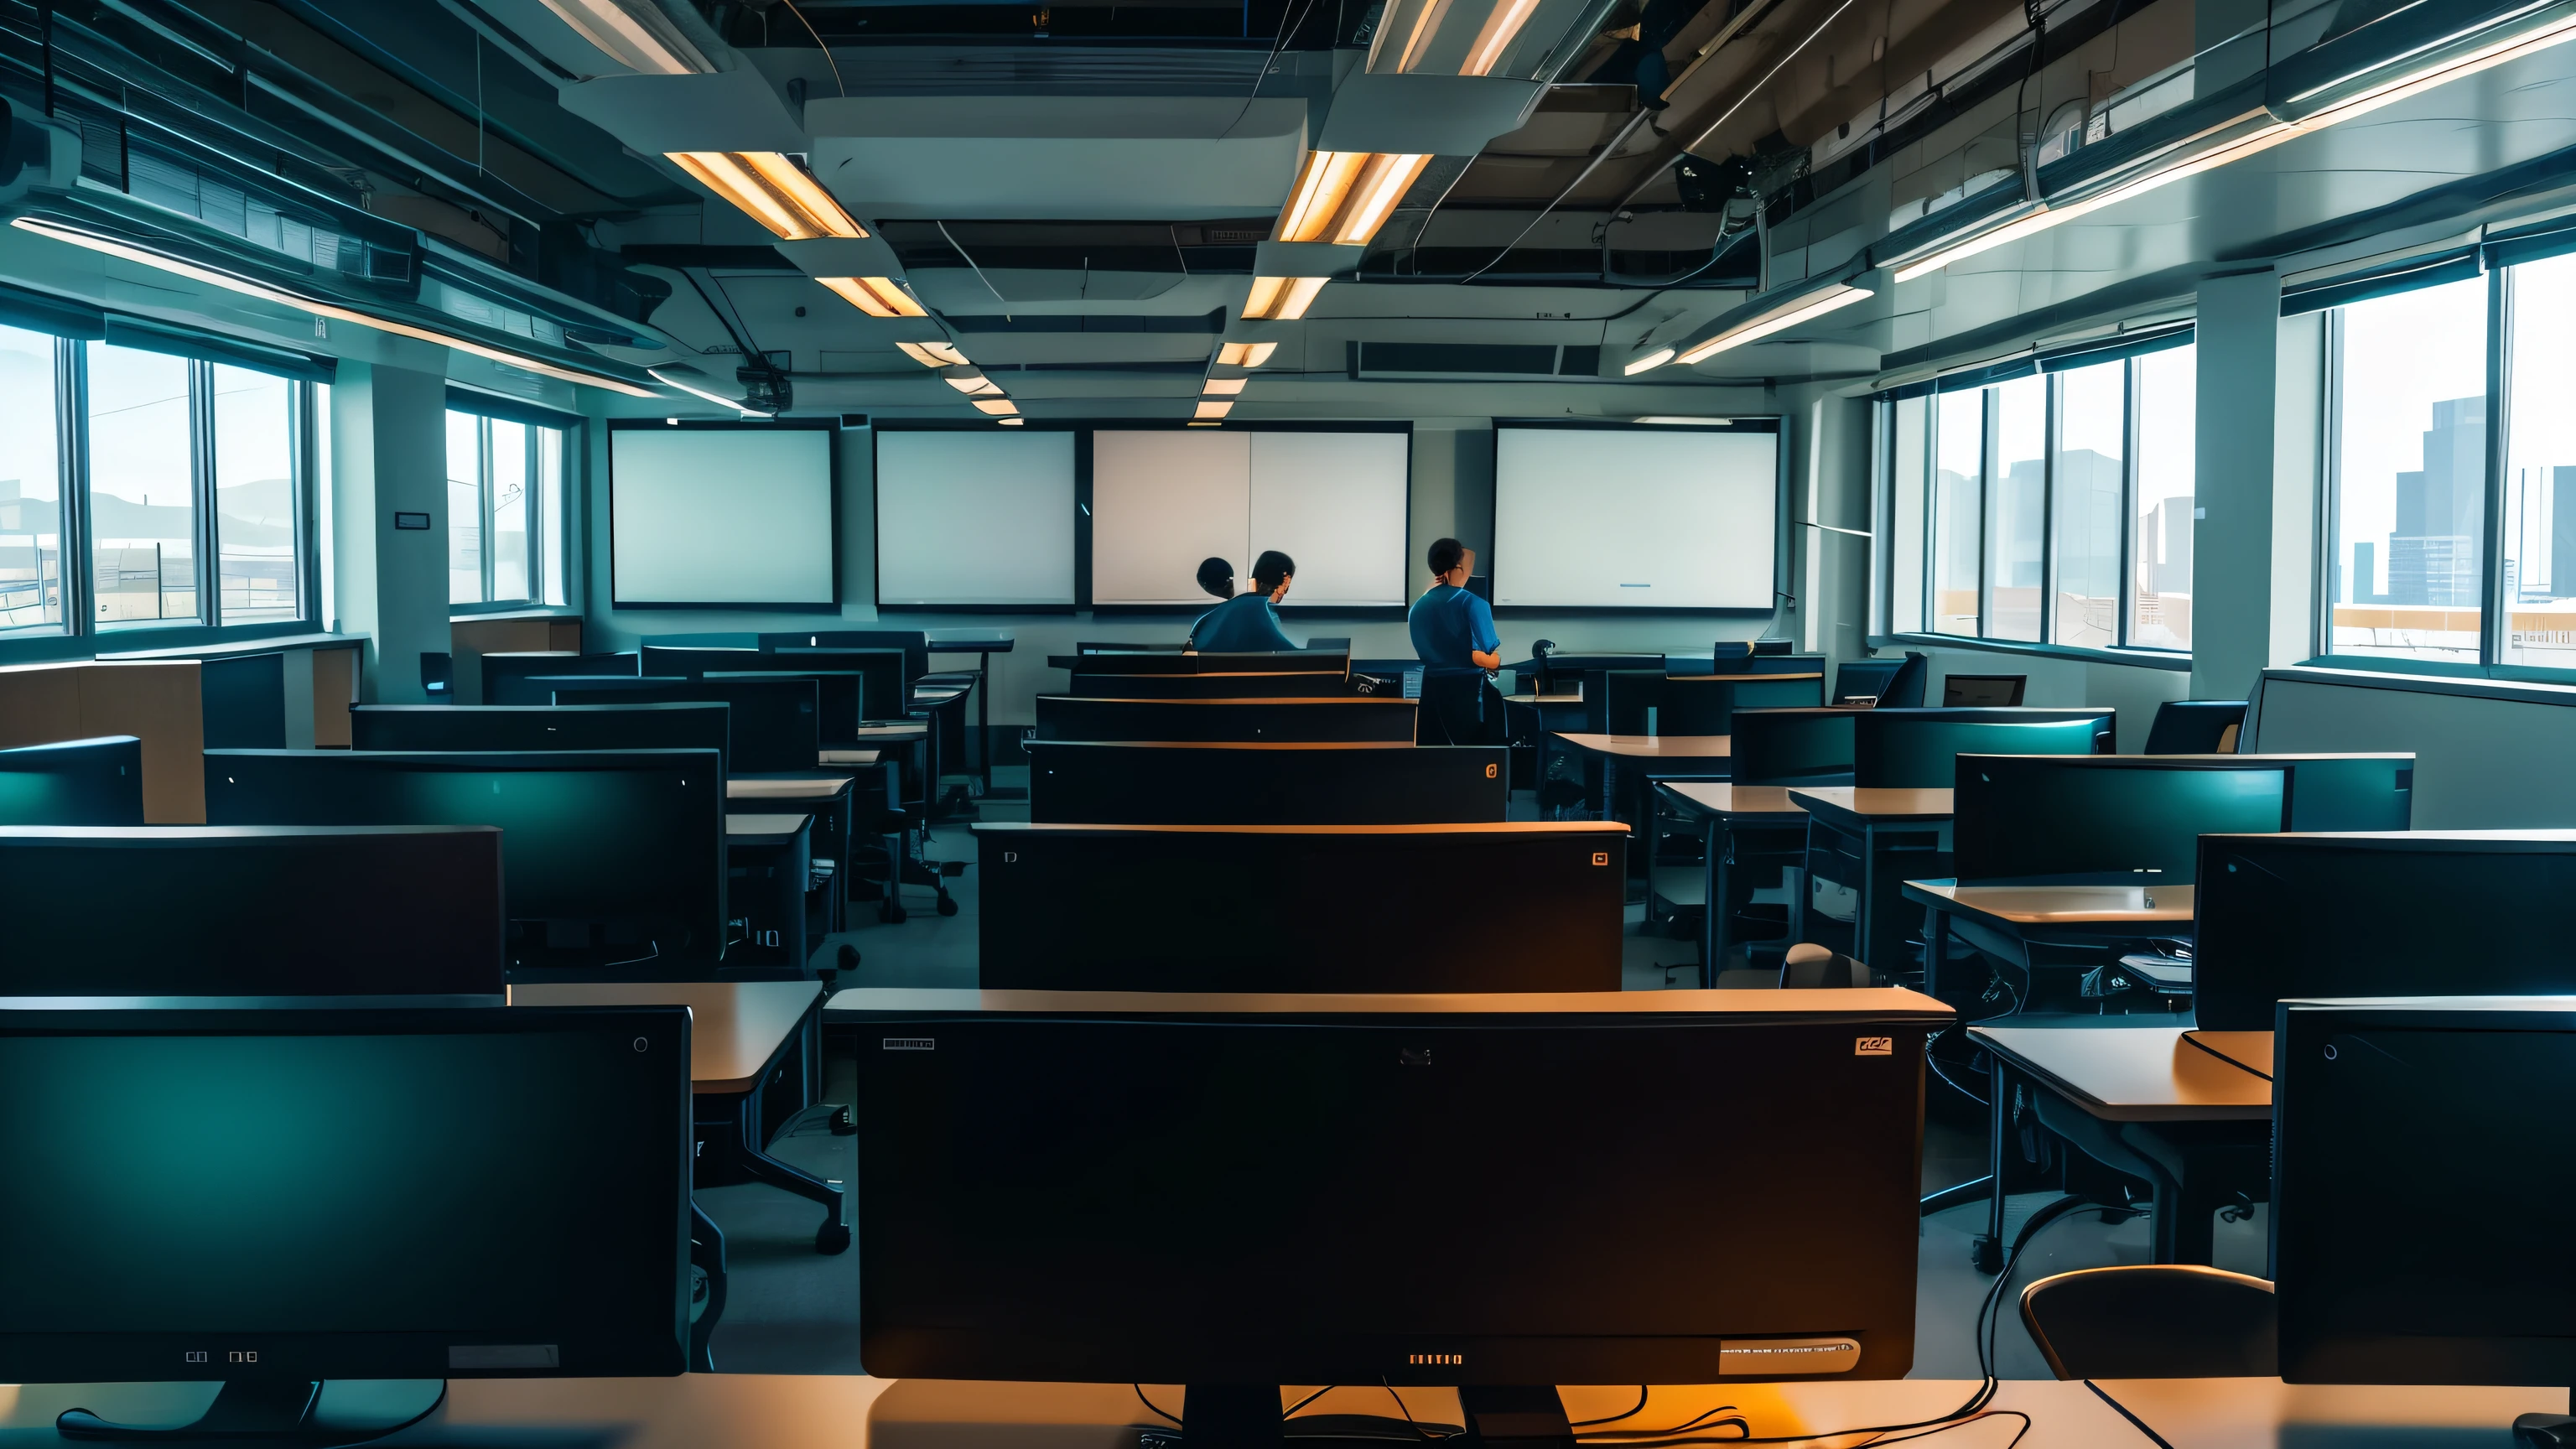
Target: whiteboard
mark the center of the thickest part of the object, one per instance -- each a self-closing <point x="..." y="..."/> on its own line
<point x="721" y="515"/>
<point x="1645" y="518"/>
<point x="1336" y="502"/>
<point x="980" y="518"/>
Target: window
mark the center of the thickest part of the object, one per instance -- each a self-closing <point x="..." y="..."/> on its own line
<point x="142" y="445"/>
<point x="504" y="511"/>
<point x="2540" y="468"/>
<point x="256" y="519"/>
<point x="31" y="486"/>
<point x="2059" y="506"/>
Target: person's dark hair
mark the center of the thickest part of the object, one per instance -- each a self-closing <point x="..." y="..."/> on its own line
<point x="1271" y="567"/>
<point x="1445" y="553"/>
<point x="1217" y="577"/>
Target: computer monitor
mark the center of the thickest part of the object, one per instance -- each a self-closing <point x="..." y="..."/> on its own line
<point x="1982" y="691"/>
<point x="2478" y="913"/>
<point x="887" y="694"/>
<point x="2104" y="819"/>
<point x="198" y="910"/>
<point x="73" y="782"/>
<point x="2414" y="1166"/>
<point x="1918" y="748"/>
<point x="521" y="727"/>
<point x="776" y="725"/>
<point x="1695" y="706"/>
<point x="1790" y="747"/>
<point x="1865" y="681"/>
<point x="513" y="678"/>
<point x="609" y="857"/>
<point x="1254" y="1191"/>
<point x="912" y="644"/>
<point x="2350" y="792"/>
<point x="274" y="1198"/>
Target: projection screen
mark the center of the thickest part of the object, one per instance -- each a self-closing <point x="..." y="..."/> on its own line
<point x="1642" y="518"/>
<point x="721" y="515"/>
<point x="974" y="519"/>
<point x="1336" y="502"/>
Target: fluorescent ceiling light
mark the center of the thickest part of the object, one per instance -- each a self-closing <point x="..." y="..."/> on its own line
<point x="695" y="391"/>
<point x="1244" y="354"/>
<point x="1343" y="197"/>
<point x="771" y="189"/>
<point x="2263" y="139"/>
<point x="1210" y="409"/>
<point x="876" y="296"/>
<point x="997" y="406"/>
<point x="1807" y="306"/>
<point x="1224" y="386"/>
<point x="129" y="252"/>
<point x="933" y="354"/>
<point x="972" y="383"/>
<point x="1283" y="299"/>
<point x="1661" y="420"/>
<point x="636" y="35"/>
<point x="1649" y="362"/>
<point x="1322" y="187"/>
<point x="1499" y="28"/>
<point x="1429" y="18"/>
<point x="1010" y="422"/>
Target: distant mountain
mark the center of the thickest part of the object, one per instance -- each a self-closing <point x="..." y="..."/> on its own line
<point x="257" y="512"/>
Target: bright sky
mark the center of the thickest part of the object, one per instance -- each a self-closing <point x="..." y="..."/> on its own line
<point x="2401" y="355"/>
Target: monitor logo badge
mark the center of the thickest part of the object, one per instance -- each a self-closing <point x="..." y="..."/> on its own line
<point x="1437" y="1360"/>
<point x="1874" y="1046"/>
<point x="1600" y="857"/>
<point x="911" y="1044"/>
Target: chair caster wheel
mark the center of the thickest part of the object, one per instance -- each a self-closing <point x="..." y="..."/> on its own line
<point x="947" y="905"/>
<point x="848" y="956"/>
<point x="1986" y="1255"/>
<point x="896" y="915"/>
<point x="834" y="1238"/>
<point x="843" y="1124"/>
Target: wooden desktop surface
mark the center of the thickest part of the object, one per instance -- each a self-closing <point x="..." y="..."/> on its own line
<point x="788" y="785"/>
<point x="2267" y="1413"/>
<point x="2251" y="1050"/>
<point x="1873" y="803"/>
<point x="1873" y="1003"/>
<point x="1240" y="745"/>
<point x="1574" y="698"/>
<point x="1650" y="747"/>
<point x="735" y="1027"/>
<point x="2168" y="905"/>
<point x="1749" y="678"/>
<point x="2131" y="1073"/>
<point x="1707" y="797"/>
<point x="746" y="825"/>
<point x="1483" y="827"/>
<point x="895" y="732"/>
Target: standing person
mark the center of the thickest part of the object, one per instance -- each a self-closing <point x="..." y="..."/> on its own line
<point x="1248" y="623"/>
<point x="1453" y="636"/>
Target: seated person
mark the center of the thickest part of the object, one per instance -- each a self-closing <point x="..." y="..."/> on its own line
<point x="1248" y="623"/>
<point x="1453" y="635"/>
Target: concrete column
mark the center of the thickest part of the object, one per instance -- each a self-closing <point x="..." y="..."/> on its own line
<point x="388" y="457"/>
<point x="2231" y="550"/>
<point x="1830" y="554"/>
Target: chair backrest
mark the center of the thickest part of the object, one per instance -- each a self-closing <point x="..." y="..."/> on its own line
<point x="1905" y="691"/>
<point x="1809" y="967"/>
<point x="1982" y="691"/>
<point x="2195" y="727"/>
<point x="1732" y="656"/>
<point x="2159" y="1321"/>
<point x="1865" y="679"/>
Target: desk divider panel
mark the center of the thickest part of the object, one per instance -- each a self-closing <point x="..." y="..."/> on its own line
<point x="1919" y="748"/>
<point x="1105" y="783"/>
<point x="1269" y="685"/>
<point x="1357" y="717"/>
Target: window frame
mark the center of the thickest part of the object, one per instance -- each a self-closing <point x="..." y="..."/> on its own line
<point x="546" y="556"/>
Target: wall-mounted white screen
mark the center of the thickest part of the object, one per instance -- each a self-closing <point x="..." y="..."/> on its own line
<point x="1649" y="518"/>
<point x="1335" y="502"/>
<point x="721" y="516"/>
<point x="981" y="518"/>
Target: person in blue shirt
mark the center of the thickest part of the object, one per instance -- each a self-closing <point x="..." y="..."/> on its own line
<point x="1453" y="636"/>
<point x="1248" y="623"/>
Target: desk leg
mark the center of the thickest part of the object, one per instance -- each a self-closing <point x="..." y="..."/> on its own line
<point x="1865" y="918"/>
<point x="1986" y="1253"/>
<point x="741" y="1139"/>
<point x="984" y="716"/>
<point x="1716" y="904"/>
<point x="1936" y="941"/>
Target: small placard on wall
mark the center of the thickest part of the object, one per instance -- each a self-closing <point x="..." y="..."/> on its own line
<point x="418" y="521"/>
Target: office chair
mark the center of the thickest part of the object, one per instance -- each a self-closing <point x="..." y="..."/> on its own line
<point x="706" y="1288"/>
<point x="1809" y="966"/>
<point x="2196" y="727"/>
<point x="1732" y="656"/>
<point x="2153" y="1321"/>
<point x="1983" y="691"/>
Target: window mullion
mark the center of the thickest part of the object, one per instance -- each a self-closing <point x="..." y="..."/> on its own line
<point x="71" y="432"/>
<point x="2493" y="620"/>
<point x="201" y="467"/>
<point x="483" y="492"/>
<point x="1990" y="428"/>
<point x="2052" y="405"/>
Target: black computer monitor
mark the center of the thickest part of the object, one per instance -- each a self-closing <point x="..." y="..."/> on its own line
<point x="776" y="724"/>
<point x="520" y="727"/>
<point x="913" y="644"/>
<point x="610" y="857"/>
<point x="688" y="661"/>
<point x="2283" y="916"/>
<point x="1695" y="706"/>
<point x="1790" y="747"/>
<point x="1264" y="1190"/>
<point x="198" y="910"/>
<point x="1982" y="691"/>
<point x="2104" y="819"/>
<point x="1918" y="748"/>
<point x="514" y="678"/>
<point x="73" y="782"/>
<point x="1865" y="680"/>
<point x="274" y="1198"/>
<point x="2416" y="1167"/>
<point x="887" y="695"/>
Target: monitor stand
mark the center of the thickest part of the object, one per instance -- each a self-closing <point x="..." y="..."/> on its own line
<point x="1246" y="1416"/>
<point x="262" y="1411"/>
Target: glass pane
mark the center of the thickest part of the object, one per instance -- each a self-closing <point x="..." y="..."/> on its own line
<point x="1959" y="450"/>
<point x="2092" y="437"/>
<point x="464" y="509"/>
<point x="2020" y="508"/>
<point x="2168" y="461"/>
<point x="31" y="491"/>
<point x="1908" y="459"/>
<point x="553" y="548"/>
<point x="2540" y="469"/>
<point x="2411" y="475"/>
<point x="142" y="489"/>
<point x="329" y="616"/>
<point x="510" y="510"/>
<point x="256" y="576"/>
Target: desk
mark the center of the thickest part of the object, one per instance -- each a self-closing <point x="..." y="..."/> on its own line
<point x="1871" y="839"/>
<point x="2193" y="1123"/>
<point x="1648" y="757"/>
<point x="755" y="1048"/>
<point x="2003" y="919"/>
<point x="827" y="795"/>
<point x="983" y="644"/>
<point x="2264" y="1413"/>
<point x="1750" y="817"/>
<point x="1561" y="710"/>
<point x="777" y="849"/>
<point x="931" y="702"/>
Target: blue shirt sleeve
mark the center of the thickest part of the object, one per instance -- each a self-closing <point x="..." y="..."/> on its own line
<point x="1278" y="635"/>
<point x="1481" y="626"/>
<point x="1196" y="625"/>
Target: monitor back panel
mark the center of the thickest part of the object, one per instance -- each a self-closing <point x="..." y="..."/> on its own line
<point x="484" y="728"/>
<point x="912" y="644"/>
<point x="74" y="782"/>
<point x="1375" y="1199"/>
<point x="1160" y="908"/>
<point x="1266" y="685"/>
<point x="2103" y="819"/>
<point x="2312" y="916"/>
<point x="1919" y="748"/>
<point x="775" y="724"/>
<point x="1790" y="746"/>
<point x="510" y="678"/>
<point x="2352" y="792"/>
<point x="210" y="911"/>
<point x="1358" y="717"/>
<point x="1302" y="661"/>
<point x="882" y="697"/>
<point x="1367" y="784"/>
